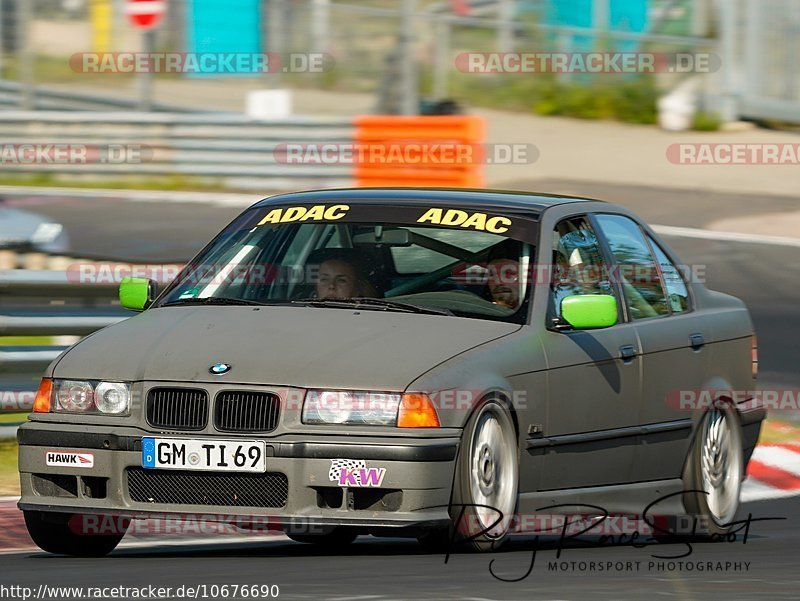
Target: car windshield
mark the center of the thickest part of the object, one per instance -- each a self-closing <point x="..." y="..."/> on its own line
<point x="449" y="262"/>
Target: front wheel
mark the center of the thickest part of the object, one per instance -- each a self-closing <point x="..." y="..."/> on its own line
<point x="55" y="533"/>
<point x="716" y="469"/>
<point x="485" y="487"/>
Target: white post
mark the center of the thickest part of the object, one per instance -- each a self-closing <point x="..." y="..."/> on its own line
<point x="275" y="39"/>
<point x="728" y="23"/>
<point x="145" y="78"/>
<point x="700" y="11"/>
<point x="25" y="54"/>
<point x="119" y="25"/>
<point x="441" y="55"/>
<point x="601" y="18"/>
<point x="408" y="65"/>
<point x="505" y="28"/>
<point x="320" y="25"/>
<point x="2" y="27"/>
<point x="753" y="49"/>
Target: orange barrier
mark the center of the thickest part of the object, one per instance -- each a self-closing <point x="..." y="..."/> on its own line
<point x="409" y="150"/>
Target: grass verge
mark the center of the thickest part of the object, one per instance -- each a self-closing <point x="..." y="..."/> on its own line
<point x="166" y="182"/>
<point x="26" y="340"/>
<point x="13" y="418"/>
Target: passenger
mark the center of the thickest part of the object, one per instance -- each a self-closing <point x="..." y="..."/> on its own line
<point x="504" y="276"/>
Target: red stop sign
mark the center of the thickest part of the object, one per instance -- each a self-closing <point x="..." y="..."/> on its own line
<point x="145" y="14"/>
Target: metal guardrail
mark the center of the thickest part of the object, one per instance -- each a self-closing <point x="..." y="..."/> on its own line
<point x="240" y="151"/>
<point x="42" y="303"/>
<point x="54" y="99"/>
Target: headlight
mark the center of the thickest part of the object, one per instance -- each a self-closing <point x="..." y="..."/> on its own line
<point x="347" y="407"/>
<point x="112" y="397"/>
<point x="82" y="396"/>
<point x="75" y="396"/>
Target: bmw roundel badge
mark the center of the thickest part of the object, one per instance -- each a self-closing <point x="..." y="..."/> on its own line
<point x="219" y="369"/>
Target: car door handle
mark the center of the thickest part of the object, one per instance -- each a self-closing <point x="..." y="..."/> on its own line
<point x="627" y="353"/>
<point x="696" y="341"/>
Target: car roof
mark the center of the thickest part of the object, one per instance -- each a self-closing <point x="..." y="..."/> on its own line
<point x="509" y="200"/>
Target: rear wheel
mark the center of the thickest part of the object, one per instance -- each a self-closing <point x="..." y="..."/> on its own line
<point x="56" y="533"/>
<point x="716" y="467"/>
<point x="339" y="536"/>
<point x="485" y="488"/>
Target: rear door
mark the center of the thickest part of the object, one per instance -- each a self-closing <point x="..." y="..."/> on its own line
<point x="672" y="337"/>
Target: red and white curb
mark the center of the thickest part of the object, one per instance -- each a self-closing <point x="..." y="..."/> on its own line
<point x="773" y="472"/>
<point x="13" y="534"/>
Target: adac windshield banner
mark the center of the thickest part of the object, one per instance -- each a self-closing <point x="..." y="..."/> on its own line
<point x="511" y="225"/>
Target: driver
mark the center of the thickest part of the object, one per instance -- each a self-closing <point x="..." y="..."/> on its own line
<point x="343" y="275"/>
<point x="337" y="279"/>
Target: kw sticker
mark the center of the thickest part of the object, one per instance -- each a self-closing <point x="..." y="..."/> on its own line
<point x="355" y="473"/>
<point x="457" y="217"/>
<point x="315" y="213"/>
<point x="55" y="458"/>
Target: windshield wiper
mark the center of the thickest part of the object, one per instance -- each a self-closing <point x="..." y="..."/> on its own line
<point x="212" y="300"/>
<point x="371" y="303"/>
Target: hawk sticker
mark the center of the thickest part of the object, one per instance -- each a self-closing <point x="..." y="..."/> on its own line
<point x="59" y="459"/>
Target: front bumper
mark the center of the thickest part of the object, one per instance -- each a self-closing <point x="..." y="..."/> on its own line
<point x="415" y="490"/>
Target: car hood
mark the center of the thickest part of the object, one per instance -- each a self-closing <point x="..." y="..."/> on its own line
<point x="286" y="346"/>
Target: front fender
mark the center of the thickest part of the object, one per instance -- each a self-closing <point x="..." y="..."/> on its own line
<point x="512" y="368"/>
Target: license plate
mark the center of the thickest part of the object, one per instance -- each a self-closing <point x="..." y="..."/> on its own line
<point x="205" y="455"/>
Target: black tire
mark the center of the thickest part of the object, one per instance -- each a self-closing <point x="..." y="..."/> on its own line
<point x="55" y="533"/>
<point x="713" y="521"/>
<point x="339" y="536"/>
<point x="469" y="529"/>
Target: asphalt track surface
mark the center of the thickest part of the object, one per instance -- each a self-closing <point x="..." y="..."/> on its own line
<point x="765" y="567"/>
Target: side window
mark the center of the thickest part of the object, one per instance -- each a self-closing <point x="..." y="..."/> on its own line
<point x="578" y="266"/>
<point x="638" y="272"/>
<point x="676" y="288"/>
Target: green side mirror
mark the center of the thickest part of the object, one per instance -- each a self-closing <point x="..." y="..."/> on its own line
<point x="589" y="311"/>
<point x="136" y="293"/>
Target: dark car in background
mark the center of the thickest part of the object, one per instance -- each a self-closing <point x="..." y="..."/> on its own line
<point x="26" y="231"/>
